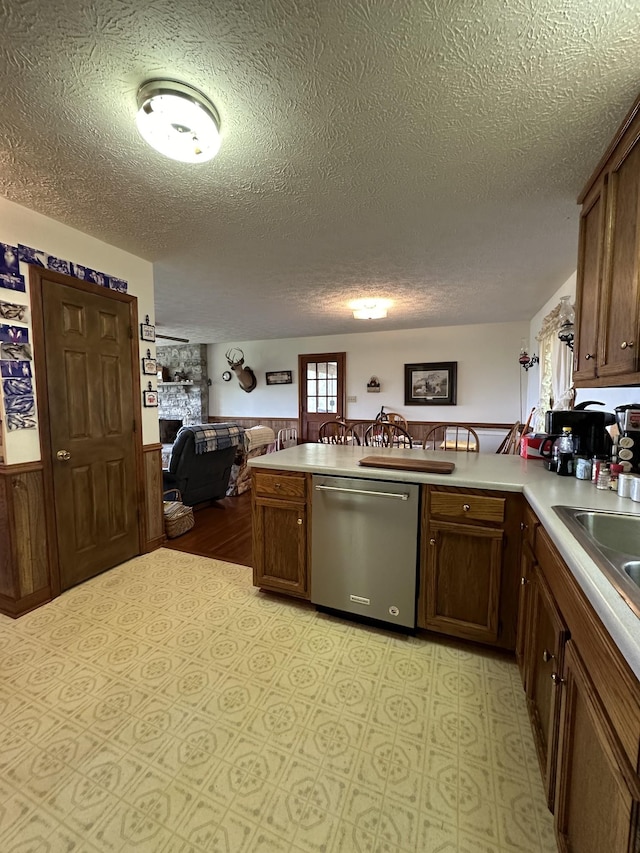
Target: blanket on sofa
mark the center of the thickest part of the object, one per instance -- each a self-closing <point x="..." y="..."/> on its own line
<point x="207" y="437"/>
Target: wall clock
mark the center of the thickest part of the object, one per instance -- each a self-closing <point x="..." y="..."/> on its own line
<point x="226" y="375"/>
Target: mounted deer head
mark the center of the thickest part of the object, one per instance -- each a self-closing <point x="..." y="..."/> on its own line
<point x="246" y="376"/>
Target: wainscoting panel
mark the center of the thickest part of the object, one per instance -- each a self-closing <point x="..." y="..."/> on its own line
<point x="25" y="560"/>
<point x="154" y="520"/>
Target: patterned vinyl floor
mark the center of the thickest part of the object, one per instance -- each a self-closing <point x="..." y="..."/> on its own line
<point x="167" y="706"/>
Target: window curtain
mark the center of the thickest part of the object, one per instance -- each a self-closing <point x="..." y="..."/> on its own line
<point x="556" y="370"/>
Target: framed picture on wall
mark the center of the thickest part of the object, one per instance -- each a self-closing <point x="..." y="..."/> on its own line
<point x="279" y="377"/>
<point x="430" y="383"/>
<point x="150" y="399"/>
<point x="149" y="366"/>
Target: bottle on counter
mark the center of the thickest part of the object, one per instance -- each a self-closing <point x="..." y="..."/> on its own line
<point x="603" y="476"/>
<point x="565" y="453"/>
<point x="615" y="469"/>
<point x="596" y="462"/>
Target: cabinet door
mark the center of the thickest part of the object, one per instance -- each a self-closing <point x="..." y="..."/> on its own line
<point x="598" y="796"/>
<point x="590" y="255"/>
<point x="280" y="546"/>
<point x="618" y="327"/>
<point x="544" y="668"/>
<point x="461" y="590"/>
<point x="525" y="615"/>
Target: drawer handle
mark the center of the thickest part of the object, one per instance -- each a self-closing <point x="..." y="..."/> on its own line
<point x="557" y="679"/>
<point x="277" y="485"/>
<point x="624" y="344"/>
<point x="466" y="507"/>
<point x="547" y="656"/>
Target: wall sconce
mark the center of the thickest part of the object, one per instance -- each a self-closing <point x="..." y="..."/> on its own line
<point x="526" y="361"/>
<point x="566" y="317"/>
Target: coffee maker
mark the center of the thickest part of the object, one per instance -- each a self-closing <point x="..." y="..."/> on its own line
<point x="628" y="420"/>
<point x="590" y="438"/>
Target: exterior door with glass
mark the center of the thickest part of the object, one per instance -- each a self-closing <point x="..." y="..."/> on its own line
<point x="321" y="390"/>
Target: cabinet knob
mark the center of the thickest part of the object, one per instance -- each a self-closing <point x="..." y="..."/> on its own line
<point x="547" y="656"/>
<point x="299" y="521"/>
<point x="557" y="679"/>
<point x="626" y="344"/>
<point x="432" y="541"/>
<point x="523" y="526"/>
<point x="466" y="507"/>
<point x="277" y="485"/>
<point x="523" y="581"/>
<point x="588" y="355"/>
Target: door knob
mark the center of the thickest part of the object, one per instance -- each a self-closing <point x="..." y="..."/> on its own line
<point x="63" y="455"/>
<point x="299" y="521"/>
<point x="547" y="656"/>
<point x="432" y="541"/>
<point x="626" y="344"/>
<point x="588" y="356"/>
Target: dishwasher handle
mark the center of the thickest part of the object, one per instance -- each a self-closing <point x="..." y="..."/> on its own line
<point x="403" y="496"/>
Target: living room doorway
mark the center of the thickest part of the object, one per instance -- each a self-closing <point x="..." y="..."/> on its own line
<point x="321" y="391"/>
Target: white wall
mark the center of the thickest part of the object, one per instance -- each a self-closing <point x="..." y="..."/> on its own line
<point x="20" y="225"/>
<point x="611" y="397"/>
<point x="488" y="372"/>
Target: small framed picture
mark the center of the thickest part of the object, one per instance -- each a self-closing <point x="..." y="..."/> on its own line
<point x="149" y="366"/>
<point x="150" y="399"/>
<point x="147" y="332"/>
<point x="430" y="384"/>
<point x="279" y="377"/>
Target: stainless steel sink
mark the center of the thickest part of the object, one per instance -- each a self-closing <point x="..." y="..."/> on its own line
<point x="612" y="539"/>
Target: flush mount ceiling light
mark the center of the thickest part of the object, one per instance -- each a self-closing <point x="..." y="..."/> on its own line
<point x="370" y="309"/>
<point x="178" y="121"/>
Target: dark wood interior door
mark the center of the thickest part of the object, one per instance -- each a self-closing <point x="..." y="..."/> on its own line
<point x="91" y="425"/>
<point x="321" y="391"/>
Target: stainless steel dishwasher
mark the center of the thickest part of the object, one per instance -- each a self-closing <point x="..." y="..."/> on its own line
<point x="364" y="547"/>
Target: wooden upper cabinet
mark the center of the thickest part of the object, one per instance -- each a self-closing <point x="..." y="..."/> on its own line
<point x="618" y="335"/>
<point x="590" y="256"/>
<point x="608" y="285"/>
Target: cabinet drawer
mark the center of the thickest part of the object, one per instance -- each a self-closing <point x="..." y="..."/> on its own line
<point x="279" y="485"/>
<point x="467" y="507"/>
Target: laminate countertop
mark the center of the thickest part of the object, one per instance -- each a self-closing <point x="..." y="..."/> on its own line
<point x="543" y="490"/>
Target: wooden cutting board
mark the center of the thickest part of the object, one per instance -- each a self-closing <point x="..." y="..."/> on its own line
<point x="429" y="466"/>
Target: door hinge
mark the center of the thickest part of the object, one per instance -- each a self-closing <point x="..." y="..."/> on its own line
<point x="130" y="333"/>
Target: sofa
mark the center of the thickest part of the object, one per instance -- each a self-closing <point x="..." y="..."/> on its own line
<point x="201" y="460"/>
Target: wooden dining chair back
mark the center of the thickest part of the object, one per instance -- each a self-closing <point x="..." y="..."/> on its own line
<point x="452" y="437"/>
<point x="398" y="420"/>
<point x="333" y="432"/>
<point x="383" y="434"/>
<point x="356" y="431"/>
<point x="286" y="438"/>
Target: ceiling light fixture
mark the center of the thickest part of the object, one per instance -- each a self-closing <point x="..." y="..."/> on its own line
<point x="178" y="121"/>
<point x="370" y="309"/>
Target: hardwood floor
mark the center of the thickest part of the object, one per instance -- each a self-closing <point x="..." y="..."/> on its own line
<point x="221" y="531"/>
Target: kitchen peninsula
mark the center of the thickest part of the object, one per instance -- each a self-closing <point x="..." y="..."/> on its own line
<point x="496" y="564"/>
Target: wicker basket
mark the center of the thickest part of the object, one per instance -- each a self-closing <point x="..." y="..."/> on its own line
<point x="178" y="518"/>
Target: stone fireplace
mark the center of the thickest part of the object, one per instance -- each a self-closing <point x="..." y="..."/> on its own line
<point x="179" y="398"/>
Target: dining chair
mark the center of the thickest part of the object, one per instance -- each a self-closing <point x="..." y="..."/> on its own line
<point x="286" y="438"/>
<point x="383" y="434"/>
<point x="333" y="432"/>
<point x="398" y="420"/>
<point x="452" y="437"/>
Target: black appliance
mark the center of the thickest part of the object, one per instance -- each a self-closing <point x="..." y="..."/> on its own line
<point x="590" y="437"/>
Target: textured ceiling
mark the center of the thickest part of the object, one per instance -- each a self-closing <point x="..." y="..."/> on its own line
<point x="430" y="152"/>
